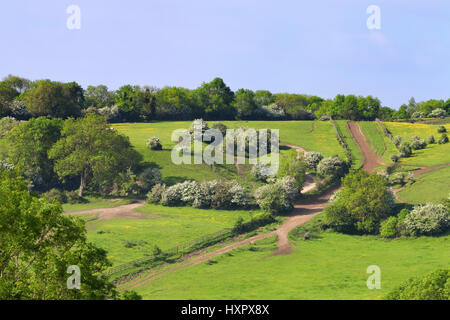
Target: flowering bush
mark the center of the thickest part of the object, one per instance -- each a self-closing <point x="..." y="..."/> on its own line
<point x="156" y="194"/>
<point x="261" y="171"/>
<point x="429" y="219"/>
<point x="273" y="199"/>
<point x="198" y="123"/>
<point x="441" y="129"/>
<point x="6" y="124"/>
<point x="438" y="113"/>
<point x="332" y="166"/>
<point x="417" y="143"/>
<point x="288" y="185"/>
<point x="208" y="194"/>
<point x="154" y="143"/>
<point x="312" y="159"/>
<point x="443" y="139"/>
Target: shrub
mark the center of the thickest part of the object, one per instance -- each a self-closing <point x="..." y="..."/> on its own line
<point x="148" y="178"/>
<point x="438" y="113"/>
<point x="261" y="171"/>
<point x="388" y="227"/>
<point x="363" y="202"/>
<point x="109" y="113"/>
<point x="431" y="140"/>
<point x="156" y="194"/>
<point x="441" y="129"/>
<point x="432" y="286"/>
<point x="443" y="139"/>
<point x="395" y="158"/>
<point x="56" y="195"/>
<point x="273" y="199"/>
<point x="312" y="159"/>
<point x="417" y="143"/>
<point x="405" y="150"/>
<point x="397" y="141"/>
<point x="429" y="219"/>
<point x="292" y="166"/>
<point x="19" y="110"/>
<point x="221" y="127"/>
<point x="6" y="124"/>
<point x="74" y="197"/>
<point x="154" y="143"/>
<point x="332" y="166"/>
<point x="209" y="194"/>
<point x="418" y="115"/>
<point x="289" y="186"/>
<point x="198" y="123"/>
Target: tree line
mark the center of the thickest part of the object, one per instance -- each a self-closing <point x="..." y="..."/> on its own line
<point x="23" y="99"/>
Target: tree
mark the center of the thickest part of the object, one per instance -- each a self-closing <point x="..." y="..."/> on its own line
<point x="29" y="145"/>
<point x="362" y="203"/>
<point x="291" y="165"/>
<point x="126" y="100"/>
<point x="55" y="99"/>
<point x="39" y="243"/>
<point x="98" y="97"/>
<point x="90" y="149"/>
<point x="20" y="85"/>
<point x="7" y="95"/>
<point x="216" y="98"/>
<point x="245" y="103"/>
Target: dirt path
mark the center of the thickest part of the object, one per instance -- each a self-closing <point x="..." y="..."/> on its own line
<point x="371" y="160"/>
<point x="120" y="212"/>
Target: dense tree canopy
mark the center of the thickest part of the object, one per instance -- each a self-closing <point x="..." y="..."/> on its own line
<point x="91" y="150"/>
<point x="38" y="244"/>
<point x="29" y="144"/>
<point x="54" y="99"/>
<point x="211" y="101"/>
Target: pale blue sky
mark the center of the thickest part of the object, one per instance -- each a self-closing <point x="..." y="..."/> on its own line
<point x="319" y="47"/>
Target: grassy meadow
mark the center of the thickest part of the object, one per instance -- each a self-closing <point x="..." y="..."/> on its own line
<point x="332" y="266"/>
<point x="165" y="227"/>
<point x="357" y="155"/>
<point x="433" y="186"/>
<point x="433" y="154"/>
<point x="311" y="135"/>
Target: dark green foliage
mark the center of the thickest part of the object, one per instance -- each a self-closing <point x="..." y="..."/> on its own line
<point x="39" y="243"/>
<point x="55" y="99"/>
<point x="360" y="206"/>
<point x="432" y="286"/>
<point x="29" y="147"/>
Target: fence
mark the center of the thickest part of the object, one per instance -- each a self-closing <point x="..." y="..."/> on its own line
<point x="386" y="131"/>
<point x="342" y="143"/>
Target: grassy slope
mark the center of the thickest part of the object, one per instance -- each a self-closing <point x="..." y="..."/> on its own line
<point x="430" y="187"/>
<point x="96" y="203"/>
<point x="357" y="156"/>
<point x="381" y="144"/>
<point x="176" y="226"/>
<point x="332" y="267"/>
<point x="312" y="135"/>
<point x="434" y="154"/>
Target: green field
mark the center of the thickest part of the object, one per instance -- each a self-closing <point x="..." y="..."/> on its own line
<point x="344" y="131"/>
<point x="311" y="135"/>
<point x="433" y="154"/>
<point x="430" y="187"/>
<point x="96" y="203"/>
<point x="331" y="267"/>
<point x="380" y="143"/>
<point x="172" y="227"/>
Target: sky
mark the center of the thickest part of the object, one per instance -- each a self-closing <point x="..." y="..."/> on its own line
<point x="320" y="47"/>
